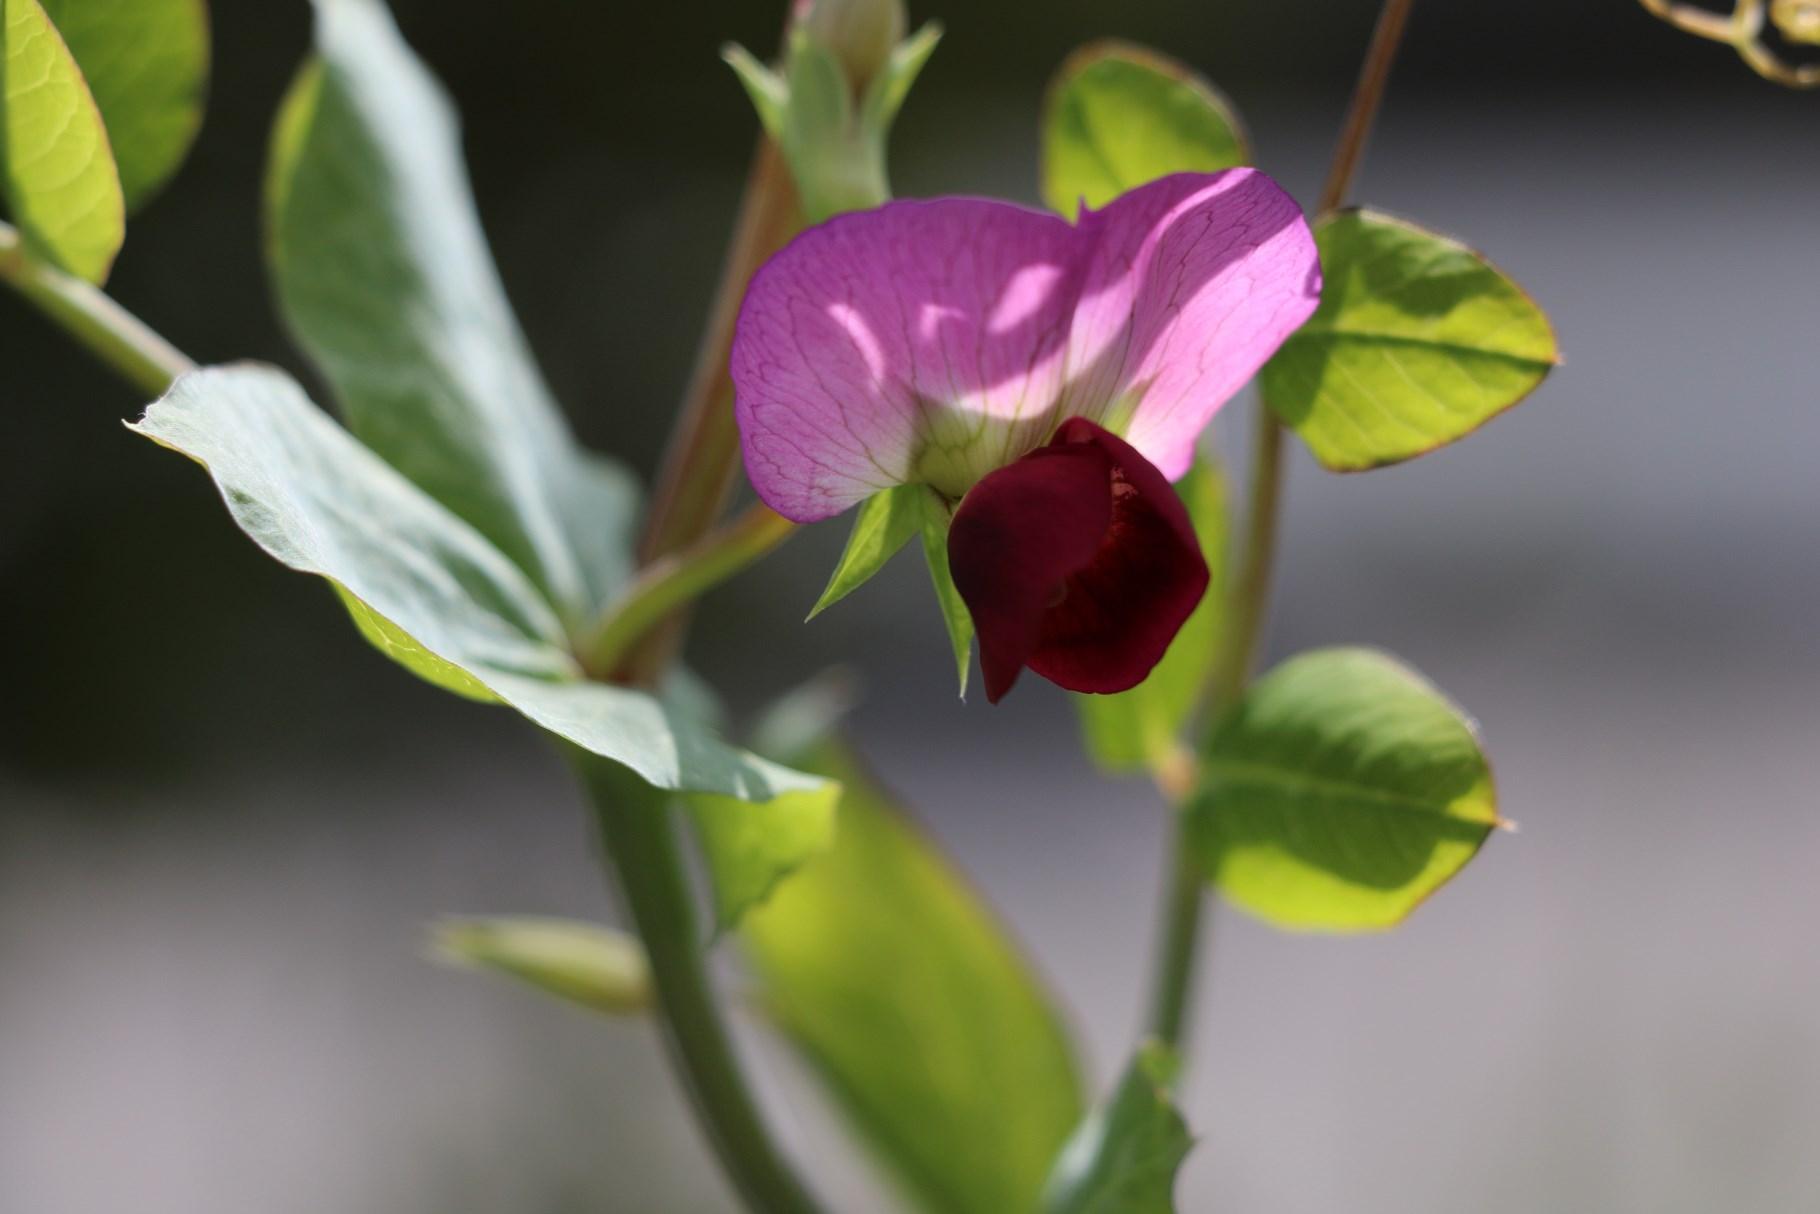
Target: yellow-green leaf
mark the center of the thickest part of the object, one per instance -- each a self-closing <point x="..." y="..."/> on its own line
<point x="594" y="967"/>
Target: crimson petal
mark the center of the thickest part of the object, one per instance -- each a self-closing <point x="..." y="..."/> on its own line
<point x="1078" y="561"/>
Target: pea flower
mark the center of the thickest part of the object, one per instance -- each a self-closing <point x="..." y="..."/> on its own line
<point x="1050" y="378"/>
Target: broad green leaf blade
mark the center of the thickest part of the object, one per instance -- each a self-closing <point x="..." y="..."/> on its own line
<point x="928" y="1028"/>
<point x="147" y="64"/>
<point x="1141" y="729"/>
<point x="384" y="275"/>
<point x="596" y="967"/>
<point x="1124" y="1158"/>
<point x="1418" y="341"/>
<point x="750" y="848"/>
<point x="883" y="525"/>
<point x="1341" y="792"/>
<point x="936" y="518"/>
<point x="446" y="600"/>
<point x="57" y="171"/>
<point x="1118" y="116"/>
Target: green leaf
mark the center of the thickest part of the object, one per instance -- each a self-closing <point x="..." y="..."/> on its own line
<point x="926" y="1025"/>
<point x="936" y="518"/>
<point x="1418" y="341"/>
<point x="750" y="848"/>
<point x="56" y="169"/>
<point x="1341" y="792"/>
<point x="384" y="276"/>
<point x="883" y="525"/>
<point x="886" y="94"/>
<point x="1118" y="116"/>
<point x="441" y="596"/>
<point x="1124" y="1158"/>
<point x="147" y="64"/>
<point x="1140" y="729"/>
<point x="596" y="967"/>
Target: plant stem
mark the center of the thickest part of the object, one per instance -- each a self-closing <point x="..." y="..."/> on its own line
<point x="670" y="582"/>
<point x="1184" y="902"/>
<point x="638" y="828"/>
<point x="114" y="335"/>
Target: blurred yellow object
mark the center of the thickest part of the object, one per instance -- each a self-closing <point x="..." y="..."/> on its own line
<point x="1742" y="30"/>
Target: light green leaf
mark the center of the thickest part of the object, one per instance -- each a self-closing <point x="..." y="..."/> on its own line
<point x="1140" y="729"/>
<point x="384" y="275"/>
<point x="750" y="848"/>
<point x="769" y="94"/>
<point x="886" y="94"/>
<point x="1340" y="793"/>
<point x="596" y="967"/>
<point x="147" y="64"/>
<point x="884" y="524"/>
<point x="1118" y="116"/>
<point x="399" y="645"/>
<point x="1418" y="341"/>
<point x="928" y="1028"/>
<point x="936" y="518"/>
<point x="1124" y="1158"/>
<point x="57" y="171"/>
<point x="316" y="500"/>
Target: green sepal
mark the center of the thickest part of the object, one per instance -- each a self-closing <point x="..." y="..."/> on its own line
<point x="884" y="524"/>
<point x="936" y="518"/>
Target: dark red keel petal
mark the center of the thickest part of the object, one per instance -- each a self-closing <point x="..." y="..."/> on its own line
<point x="1078" y="561"/>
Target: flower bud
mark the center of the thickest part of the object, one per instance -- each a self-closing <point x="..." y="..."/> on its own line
<point x="1797" y="20"/>
<point x="860" y="33"/>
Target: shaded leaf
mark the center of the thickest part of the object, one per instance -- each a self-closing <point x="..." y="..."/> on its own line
<point x="1418" y="341"/>
<point x="147" y="64"/>
<point x="57" y="171"/>
<point x="936" y="518"/>
<point x="1124" y="1158"/>
<point x="596" y="967"/>
<point x="384" y="275"/>
<point x="316" y="500"/>
<point x="1342" y="791"/>
<point x="1118" y="116"/>
<point x="927" y="1026"/>
<point x="884" y="524"/>
<point x="1140" y="729"/>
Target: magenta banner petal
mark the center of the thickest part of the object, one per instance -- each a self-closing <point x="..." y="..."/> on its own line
<point x="1194" y="282"/>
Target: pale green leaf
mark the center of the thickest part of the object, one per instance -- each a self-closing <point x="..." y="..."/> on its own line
<point x="147" y="64"/>
<point x="1418" y="341"/>
<point x="883" y="525"/>
<point x="882" y="966"/>
<point x="936" y="518"/>
<point x="887" y="93"/>
<point x="1118" y="116"/>
<point x="1341" y="792"/>
<point x="596" y="967"/>
<point x="57" y="172"/>
<point x="1141" y="728"/>
<point x="318" y="501"/>
<point x="750" y="848"/>
<point x="1124" y="1157"/>
<point x="384" y="275"/>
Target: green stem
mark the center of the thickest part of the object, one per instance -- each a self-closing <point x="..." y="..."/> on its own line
<point x="1184" y="902"/>
<point x="114" y="335"/>
<point x="671" y="582"/>
<point x="638" y="828"/>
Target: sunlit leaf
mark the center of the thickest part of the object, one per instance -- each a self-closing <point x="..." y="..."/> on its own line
<point x="1418" y="341"/>
<point x="882" y="526"/>
<point x="147" y="64"/>
<point x="1124" y="1158"/>
<point x="904" y="994"/>
<point x="1118" y="116"/>
<point x="596" y="967"/>
<point x="750" y="848"/>
<point x="1340" y="793"/>
<point x="57" y="171"/>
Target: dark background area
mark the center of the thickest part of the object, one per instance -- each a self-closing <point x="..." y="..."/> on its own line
<point x="223" y="820"/>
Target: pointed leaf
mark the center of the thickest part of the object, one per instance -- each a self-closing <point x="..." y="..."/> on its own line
<point x="147" y="64"/>
<point x="316" y="500"/>
<point x="595" y="967"/>
<point x="1124" y="1158"/>
<point x="882" y="967"/>
<point x="1140" y="729"/>
<point x="886" y="95"/>
<point x="57" y="171"/>
<point x="1418" y="342"/>
<point x="384" y="275"/>
<point x="1340" y="793"/>
<point x="884" y="524"/>
<point x="935" y="520"/>
<point x="1118" y="116"/>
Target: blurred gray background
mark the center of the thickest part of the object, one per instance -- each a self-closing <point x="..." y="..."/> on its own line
<point x="224" y="821"/>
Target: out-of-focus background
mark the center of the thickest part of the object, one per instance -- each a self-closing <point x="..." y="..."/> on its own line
<point x="224" y="821"/>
